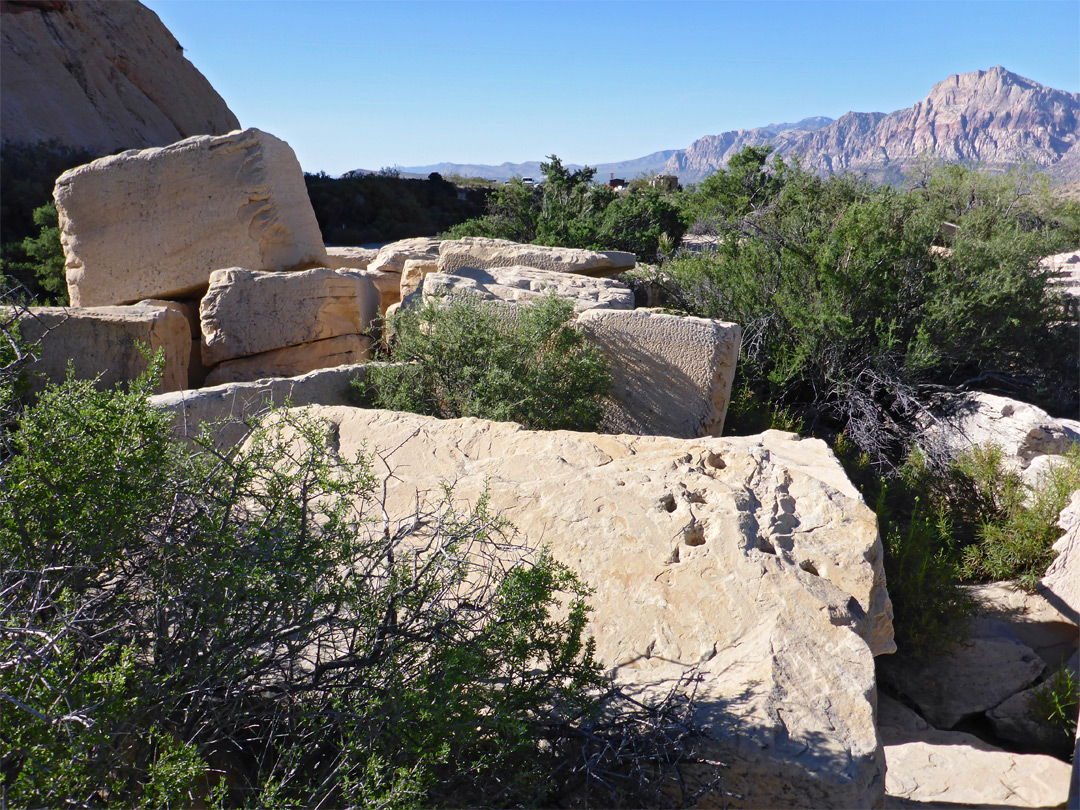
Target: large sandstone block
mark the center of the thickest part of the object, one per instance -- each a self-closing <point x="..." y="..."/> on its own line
<point x="671" y="375"/>
<point x="1061" y="582"/>
<point x="484" y="253"/>
<point x="292" y="361"/>
<point x="354" y="258"/>
<point x="522" y="284"/>
<point x="104" y="343"/>
<point x="751" y="560"/>
<point x="247" y="312"/>
<point x="391" y="258"/>
<point x="157" y="223"/>
<point x="413" y="273"/>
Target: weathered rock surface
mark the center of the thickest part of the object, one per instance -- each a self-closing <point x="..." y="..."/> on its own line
<point x="100" y="77"/>
<point x="1046" y="625"/>
<point x="1021" y="720"/>
<point x="189" y="308"/>
<point x="671" y="375"/>
<point x="157" y="223"/>
<point x="247" y="312"/>
<point x="103" y="343"/>
<point x="1061" y="583"/>
<point x="413" y="273"/>
<point x="224" y="410"/>
<point x="522" y="284"/>
<point x="484" y="253"/>
<point x="292" y="361"/>
<point x="753" y="559"/>
<point x="391" y="258"/>
<point x="972" y="678"/>
<point x="354" y="258"/>
<point x="1022" y="431"/>
<point x="932" y="768"/>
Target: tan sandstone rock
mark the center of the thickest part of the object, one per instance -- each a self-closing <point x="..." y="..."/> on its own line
<point x="932" y="768"/>
<point x="1061" y="583"/>
<point x="354" y="258"/>
<point x="157" y="223"/>
<point x="1039" y="620"/>
<point x="391" y="258"/>
<point x="1022" y="431"/>
<point x="671" y="375"/>
<point x="246" y="312"/>
<point x="103" y="343"/>
<point x="484" y="253"/>
<point x="413" y="273"/>
<point x="100" y="77"/>
<point x="523" y="284"/>
<point x="225" y="410"/>
<point x="292" y="361"/>
<point x="752" y="559"/>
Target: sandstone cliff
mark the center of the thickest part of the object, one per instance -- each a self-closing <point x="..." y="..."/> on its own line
<point x="101" y="76"/>
<point x="993" y="117"/>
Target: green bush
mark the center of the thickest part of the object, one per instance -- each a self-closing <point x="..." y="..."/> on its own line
<point x="467" y="358"/>
<point x="851" y="307"/>
<point x="1057" y="701"/>
<point x="37" y="263"/>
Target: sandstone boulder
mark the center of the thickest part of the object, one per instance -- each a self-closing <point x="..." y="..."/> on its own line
<point x="354" y="258"/>
<point x="1061" y="583"/>
<point x="189" y="308"/>
<point x="225" y="410"/>
<point x="484" y="253"/>
<point x="932" y="768"/>
<point x="671" y="376"/>
<point x="292" y="361"/>
<point x="413" y="273"/>
<point x="105" y="343"/>
<point x="522" y="284"/>
<point x="1022" y="720"/>
<point x="100" y="77"/>
<point x="968" y="680"/>
<point x="391" y="258"/>
<point x="157" y="223"/>
<point x="247" y="312"/>
<point x="752" y="560"/>
<point x="1046" y="625"/>
<point x="1022" y="431"/>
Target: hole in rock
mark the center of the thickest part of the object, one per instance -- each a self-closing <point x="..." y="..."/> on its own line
<point x="766" y="546"/>
<point x="667" y="502"/>
<point x="714" y="461"/>
<point x="694" y="535"/>
<point x="809" y="568"/>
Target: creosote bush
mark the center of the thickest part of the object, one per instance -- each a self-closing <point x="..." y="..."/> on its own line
<point x="466" y="357"/>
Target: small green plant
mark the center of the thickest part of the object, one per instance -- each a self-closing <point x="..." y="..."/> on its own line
<point x="1058" y="701"/>
<point x="38" y="261"/>
<point x="468" y="358"/>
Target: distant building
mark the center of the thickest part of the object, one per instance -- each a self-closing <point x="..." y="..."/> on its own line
<point x="665" y="182"/>
<point x="616" y="183"/>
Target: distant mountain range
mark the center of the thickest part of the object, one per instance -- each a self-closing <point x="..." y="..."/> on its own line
<point x="993" y="117"/>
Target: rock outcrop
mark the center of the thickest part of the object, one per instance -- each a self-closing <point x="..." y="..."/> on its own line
<point x="751" y="560"/>
<point x="157" y="223"/>
<point x="105" y="343"/>
<point x="292" y="361"/>
<point x="988" y="116"/>
<point x="1061" y="583"/>
<point x="100" y="77"/>
<point x="520" y="284"/>
<point x="928" y="767"/>
<point x="483" y="253"/>
<point x="671" y="375"/>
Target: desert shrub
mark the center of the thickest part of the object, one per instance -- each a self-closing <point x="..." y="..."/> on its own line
<point x="37" y="263"/>
<point x="469" y="358"/>
<point x="1057" y="701"/>
<point x="850" y="318"/>
<point x="568" y="210"/>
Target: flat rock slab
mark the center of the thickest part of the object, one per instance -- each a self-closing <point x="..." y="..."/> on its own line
<point x="972" y="678"/>
<point x="103" y="343"/>
<point x="1042" y="621"/>
<point x="156" y="223"/>
<point x="484" y="253"/>
<point x="246" y="312"/>
<point x="702" y="554"/>
<point x="292" y="361"/>
<point x="932" y="768"/>
<point x="671" y="375"/>
<point x="225" y="410"/>
<point x="522" y="284"/>
<point x="1022" y="719"/>
<point x="391" y="258"/>
<point x="354" y="258"/>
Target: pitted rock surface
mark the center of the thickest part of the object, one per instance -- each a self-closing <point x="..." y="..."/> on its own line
<point x="524" y="284"/>
<point x="484" y="253"/>
<point x="292" y="361"/>
<point x="753" y="559"/>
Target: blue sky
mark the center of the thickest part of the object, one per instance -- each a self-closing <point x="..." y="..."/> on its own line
<point x="353" y="84"/>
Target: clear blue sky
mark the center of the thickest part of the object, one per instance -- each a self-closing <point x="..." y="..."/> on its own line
<point x="369" y="84"/>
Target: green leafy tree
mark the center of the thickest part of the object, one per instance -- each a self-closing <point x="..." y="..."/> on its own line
<point x="37" y="263"/>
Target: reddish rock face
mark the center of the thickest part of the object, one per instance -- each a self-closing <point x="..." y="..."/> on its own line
<point x="101" y="77"/>
<point x="989" y="116"/>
